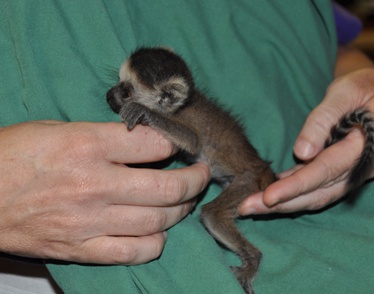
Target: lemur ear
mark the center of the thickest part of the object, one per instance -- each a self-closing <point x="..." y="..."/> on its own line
<point x="176" y="89"/>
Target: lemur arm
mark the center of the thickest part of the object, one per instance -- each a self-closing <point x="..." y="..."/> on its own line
<point x="181" y="136"/>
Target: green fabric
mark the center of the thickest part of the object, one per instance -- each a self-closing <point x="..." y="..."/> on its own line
<point x="268" y="61"/>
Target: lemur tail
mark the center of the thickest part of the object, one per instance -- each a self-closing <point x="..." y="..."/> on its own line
<point x="362" y="118"/>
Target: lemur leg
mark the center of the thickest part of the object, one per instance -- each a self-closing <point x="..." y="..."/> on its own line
<point x="219" y="219"/>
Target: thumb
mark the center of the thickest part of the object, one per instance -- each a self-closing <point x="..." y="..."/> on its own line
<point x="343" y="96"/>
<point x="315" y="132"/>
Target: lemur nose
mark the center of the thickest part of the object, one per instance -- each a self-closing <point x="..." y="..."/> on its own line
<point x="112" y="101"/>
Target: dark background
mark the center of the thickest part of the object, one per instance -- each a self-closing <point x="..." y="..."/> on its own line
<point x="364" y="9"/>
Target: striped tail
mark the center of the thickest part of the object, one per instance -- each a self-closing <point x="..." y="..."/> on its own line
<point x="361" y="117"/>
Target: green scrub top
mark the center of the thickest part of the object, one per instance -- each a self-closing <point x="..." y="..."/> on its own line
<point x="269" y="62"/>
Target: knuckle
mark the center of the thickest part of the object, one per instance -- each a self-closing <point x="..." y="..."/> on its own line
<point x="174" y="189"/>
<point x="328" y="170"/>
<point x="301" y="186"/>
<point x="126" y="253"/>
<point x="157" y="247"/>
<point x="185" y="209"/>
<point x="162" y="148"/>
<point x="123" y="252"/>
<point x="205" y="177"/>
<point x="106" y="250"/>
<point x="353" y="83"/>
<point x="135" y="251"/>
<point x="342" y="84"/>
<point x="155" y="221"/>
<point x="82" y="145"/>
<point x="324" y="119"/>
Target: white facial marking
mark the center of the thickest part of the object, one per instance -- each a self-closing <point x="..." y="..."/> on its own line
<point x="150" y="98"/>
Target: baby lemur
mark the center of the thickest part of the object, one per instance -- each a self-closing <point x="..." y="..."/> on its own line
<point x="156" y="88"/>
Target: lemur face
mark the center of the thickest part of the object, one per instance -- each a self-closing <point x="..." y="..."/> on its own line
<point x="156" y="78"/>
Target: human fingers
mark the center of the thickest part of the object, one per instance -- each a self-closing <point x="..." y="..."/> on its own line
<point x="328" y="168"/>
<point x="118" y="220"/>
<point x="290" y="171"/>
<point x="150" y="187"/>
<point x="104" y="141"/>
<point x="314" y="200"/>
<point x="254" y="204"/>
<point x="113" y="249"/>
<point x="307" y="187"/>
<point x="345" y="94"/>
<point x="115" y="143"/>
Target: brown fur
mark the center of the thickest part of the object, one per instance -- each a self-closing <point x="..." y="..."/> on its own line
<point x="156" y="88"/>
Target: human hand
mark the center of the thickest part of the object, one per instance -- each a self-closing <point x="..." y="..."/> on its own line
<point x="321" y="179"/>
<point x="65" y="193"/>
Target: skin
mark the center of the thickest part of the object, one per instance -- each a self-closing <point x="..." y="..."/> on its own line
<point x="321" y="179"/>
<point x="65" y="192"/>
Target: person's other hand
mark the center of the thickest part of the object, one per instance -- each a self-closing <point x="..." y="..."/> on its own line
<point x="321" y="179"/>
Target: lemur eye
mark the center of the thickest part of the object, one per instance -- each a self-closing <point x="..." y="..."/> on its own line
<point x="127" y="90"/>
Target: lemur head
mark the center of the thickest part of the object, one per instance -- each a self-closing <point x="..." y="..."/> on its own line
<point x="155" y="77"/>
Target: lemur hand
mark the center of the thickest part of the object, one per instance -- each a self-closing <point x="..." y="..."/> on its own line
<point x="133" y="113"/>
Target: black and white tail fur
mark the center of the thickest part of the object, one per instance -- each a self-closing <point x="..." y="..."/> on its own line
<point x="362" y="118"/>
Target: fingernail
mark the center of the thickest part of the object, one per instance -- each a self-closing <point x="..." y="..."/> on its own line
<point x="303" y="149"/>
